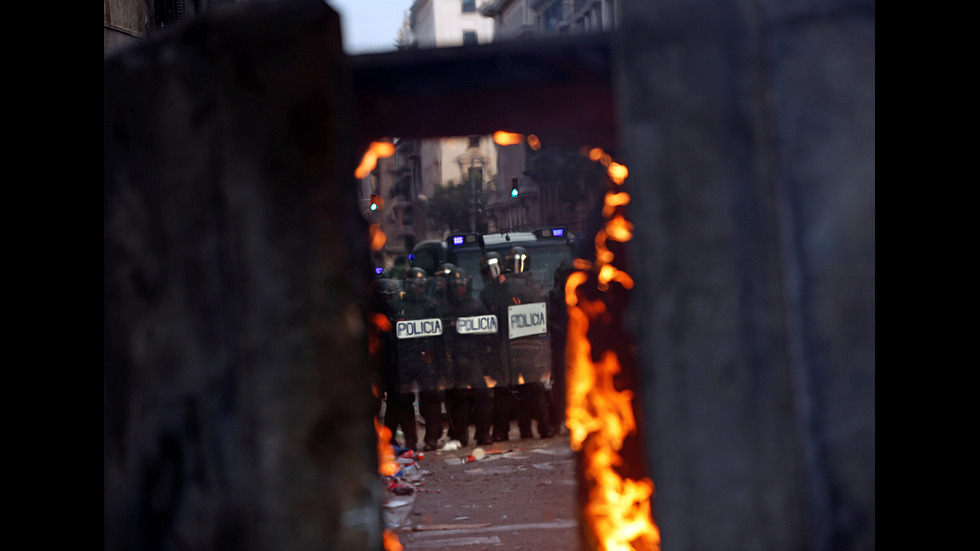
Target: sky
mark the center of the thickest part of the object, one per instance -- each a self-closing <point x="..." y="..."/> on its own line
<point x="370" y="26"/>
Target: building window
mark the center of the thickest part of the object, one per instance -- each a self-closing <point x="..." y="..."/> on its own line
<point x="469" y="37"/>
<point x="469" y="6"/>
<point x="474" y="142"/>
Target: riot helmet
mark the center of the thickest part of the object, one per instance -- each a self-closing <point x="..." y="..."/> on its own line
<point x="518" y="260"/>
<point x="437" y="283"/>
<point x="491" y="266"/>
<point x="460" y="284"/>
<point x="446" y="269"/>
<point x="415" y="283"/>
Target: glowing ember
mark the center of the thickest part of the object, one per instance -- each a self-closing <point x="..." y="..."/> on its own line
<point x="619" y="229"/>
<point x="387" y="466"/>
<point x="617" y="172"/>
<point x="614" y="200"/>
<point x="391" y="541"/>
<point x="533" y="142"/>
<point x="377" y="150"/>
<point x="378" y="237"/>
<point x="507" y="138"/>
<point x="618" y="513"/>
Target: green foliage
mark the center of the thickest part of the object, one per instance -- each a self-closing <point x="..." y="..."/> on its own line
<point x="569" y="174"/>
<point x="450" y="205"/>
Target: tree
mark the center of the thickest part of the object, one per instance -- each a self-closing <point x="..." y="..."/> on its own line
<point x="567" y="179"/>
<point x="451" y="205"/>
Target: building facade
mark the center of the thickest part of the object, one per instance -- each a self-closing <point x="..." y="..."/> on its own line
<point x="538" y="203"/>
<point x="408" y="180"/>
<point x="127" y="21"/>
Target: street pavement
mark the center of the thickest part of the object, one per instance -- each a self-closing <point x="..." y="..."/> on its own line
<point x="519" y="495"/>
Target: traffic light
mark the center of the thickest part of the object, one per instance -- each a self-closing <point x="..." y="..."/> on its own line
<point x="513" y="187"/>
<point x="375" y="201"/>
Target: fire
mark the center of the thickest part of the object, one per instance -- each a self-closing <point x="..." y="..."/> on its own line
<point x="533" y="142"/>
<point x="619" y="229"/>
<point x="375" y="151"/>
<point x="378" y="237"/>
<point x="490" y="381"/>
<point x="391" y="541"/>
<point x="617" y="172"/>
<point x="613" y="200"/>
<point x="387" y="466"/>
<point x="599" y="416"/>
<point x="501" y="137"/>
<point x="379" y="323"/>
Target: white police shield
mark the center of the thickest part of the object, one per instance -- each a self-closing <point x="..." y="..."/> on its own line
<point x="524" y="320"/>
<point x="416" y="329"/>
<point x="477" y="325"/>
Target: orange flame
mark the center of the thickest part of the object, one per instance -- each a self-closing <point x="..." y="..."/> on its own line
<point x="382" y="322"/>
<point x="391" y="541"/>
<point x="599" y="417"/>
<point x="378" y="237"/>
<point x="614" y="200"/>
<point x="387" y="466"/>
<point x="617" y="172"/>
<point x="533" y="142"/>
<point x="619" y="229"/>
<point x="501" y="137"/>
<point x="375" y="151"/>
<point x="379" y="323"/>
<point x="490" y="381"/>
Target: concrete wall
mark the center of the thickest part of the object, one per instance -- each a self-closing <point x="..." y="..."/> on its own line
<point x="749" y="132"/>
<point x="236" y="389"/>
<point x="237" y="399"/>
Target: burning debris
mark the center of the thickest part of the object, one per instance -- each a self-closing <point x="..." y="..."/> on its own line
<point x="617" y="513"/>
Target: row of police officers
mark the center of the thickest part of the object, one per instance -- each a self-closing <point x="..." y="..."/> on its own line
<point x="488" y="359"/>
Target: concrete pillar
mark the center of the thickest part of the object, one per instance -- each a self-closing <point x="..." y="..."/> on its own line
<point x="236" y="383"/>
<point x="748" y="129"/>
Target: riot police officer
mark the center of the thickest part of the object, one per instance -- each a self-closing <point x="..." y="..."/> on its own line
<point x="504" y="396"/>
<point x="419" y="330"/>
<point x="399" y="405"/>
<point x="469" y="401"/>
<point x="530" y="357"/>
<point x="513" y="295"/>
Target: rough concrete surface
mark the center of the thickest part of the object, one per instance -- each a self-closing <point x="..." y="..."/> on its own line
<point x="521" y="495"/>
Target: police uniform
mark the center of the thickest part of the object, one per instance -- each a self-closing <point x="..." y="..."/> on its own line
<point x="527" y="366"/>
<point x="469" y="345"/>
<point x="419" y="350"/>
<point x="504" y="396"/>
<point x="521" y="393"/>
<point x="399" y="405"/>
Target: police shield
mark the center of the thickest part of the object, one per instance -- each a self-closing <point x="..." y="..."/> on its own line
<point x="417" y="351"/>
<point x="470" y="346"/>
<point x="528" y="343"/>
